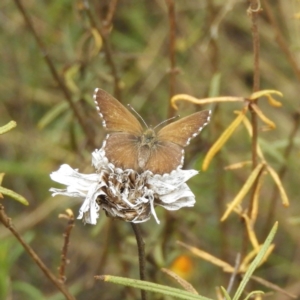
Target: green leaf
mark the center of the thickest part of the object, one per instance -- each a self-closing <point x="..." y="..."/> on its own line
<point x="253" y="293"/>
<point x="52" y="114"/>
<point x="152" y="287"/>
<point x="226" y="295"/>
<point x="13" y="195"/>
<point x="29" y="291"/>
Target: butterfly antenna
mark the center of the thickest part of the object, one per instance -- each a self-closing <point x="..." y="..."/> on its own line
<point x="166" y="121"/>
<point x="137" y="115"/>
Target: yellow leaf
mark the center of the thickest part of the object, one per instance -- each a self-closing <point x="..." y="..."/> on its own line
<point x="70" y="75"/>
<point x="245" y="263"/>
<point x="222" y="139"/>
<point x="254" y="211"/>
<point x="9" y="126"/>
<point x="244" y="190"/>
<point x="262" y="116"/>
<point x="248" y="126"/>
<point x="1" y="177"/>
<point x="274" y="175"/>
<point x="98" y="41"/>
<point x="267" y="93"/>
<point x="269" y="251"/>
<point x="13" y="195"/>
<point x="238" y="165"/>
<point x="251" y="233"/>
<point x="185" y="97"/>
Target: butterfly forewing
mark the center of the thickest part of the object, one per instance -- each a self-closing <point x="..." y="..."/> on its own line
<point x="121" y="149"/>
<point x="115" y="116"/>
<point x="183" y="130"/>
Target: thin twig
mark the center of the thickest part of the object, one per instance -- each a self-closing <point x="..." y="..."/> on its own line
<point x="172" y="40"/>
<point x="256" y="76"/>
<point x="234" y="273"/>
<point x="104" y="31"/>
<point x="282" y="172"/>
<point x="142" y="257"/>
<point x="253" y="11"/>
<point x="279" y="37"/>
<point x="6" y="221"/>
<point x="110" y="14"/>
<point x="55" y="74"/>
<point x="64" y="251"/>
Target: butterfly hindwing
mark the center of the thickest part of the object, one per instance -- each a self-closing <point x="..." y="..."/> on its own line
<point x="183" y="130"/>
<point x="121" y="150"/>
<point x="165" y="157"/>
<point x="115" y="116"/>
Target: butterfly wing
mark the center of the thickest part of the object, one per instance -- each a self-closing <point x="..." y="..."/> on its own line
<point x="183" y="130"/>
<point x="164" y="158"/>
<point x="121" y="150"/>
<point x="114" y="115"/>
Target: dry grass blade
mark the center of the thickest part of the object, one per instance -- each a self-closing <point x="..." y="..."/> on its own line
<point x="238" y="165"/>
<point x="273" y="286"/>
<point x="186" y="285"/>
<point x="208" y="257"/>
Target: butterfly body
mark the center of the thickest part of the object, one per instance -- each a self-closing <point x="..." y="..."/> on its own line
<point x="128" y="146"/>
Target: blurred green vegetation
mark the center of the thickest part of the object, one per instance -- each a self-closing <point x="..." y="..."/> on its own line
<point x="213" y="40"/>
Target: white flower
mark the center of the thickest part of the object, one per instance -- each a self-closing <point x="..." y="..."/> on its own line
<point x="123" y="194"/>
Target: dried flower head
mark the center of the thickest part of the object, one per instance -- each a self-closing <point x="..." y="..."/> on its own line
<point x="123" y="194"/>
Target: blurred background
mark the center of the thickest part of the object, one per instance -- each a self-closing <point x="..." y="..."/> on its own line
<point x="127" y="54"/>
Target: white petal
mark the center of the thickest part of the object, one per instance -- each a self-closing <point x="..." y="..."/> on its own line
<point x="89" y="210"/>
<point x="164" y="184"/>
<point x="73" y="179"/>
<point x="181" y="197"/>
<point x="67" y="192"/>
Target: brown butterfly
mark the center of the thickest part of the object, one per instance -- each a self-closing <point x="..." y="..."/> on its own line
<point x="128" y="146"/>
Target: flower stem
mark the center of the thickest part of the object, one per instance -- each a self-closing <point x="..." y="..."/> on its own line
<point x="141" y="250"/>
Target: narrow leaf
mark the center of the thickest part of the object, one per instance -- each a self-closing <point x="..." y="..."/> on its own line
<point x="274" y="175"/>
<point x="244" y="190"/>
<point x="185" y="97"/>
<point x="13" y="195"/>
<point x="222" y="140"/>
<point x="250" y="295"/>
<point x="152" y="287"/>
<point x="208" y="257"/>
<point x="52" y="114"/>
<point x="226" y="295"/>
<point x="9" y="126"/>
<point x="256" y="262"/>
<point x="186" y="285"/>
<point x="262" y="116"/>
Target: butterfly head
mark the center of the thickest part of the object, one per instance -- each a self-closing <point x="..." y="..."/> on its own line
<point x="148" y="138"/>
